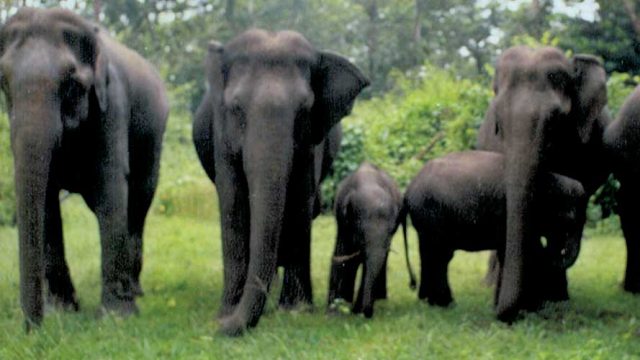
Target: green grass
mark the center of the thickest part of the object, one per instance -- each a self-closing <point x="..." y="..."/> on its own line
<point x="183" y="279"/>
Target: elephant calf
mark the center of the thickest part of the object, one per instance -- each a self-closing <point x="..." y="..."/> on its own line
<point x="458" y="202"/>
<point x="368" y="207"/>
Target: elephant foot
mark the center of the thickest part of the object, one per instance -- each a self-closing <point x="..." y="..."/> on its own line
<point x="119" y="305"/>
<point x="136" y="289"/>
<point x="225" y="311"/>
<point x="123" y="309"/>
<point x="440" y="301"/>
<point x="631" y="286"/>
<point x="232" y="326"/>
<point x="64" y="302"/>
<point x="290" y="300"/>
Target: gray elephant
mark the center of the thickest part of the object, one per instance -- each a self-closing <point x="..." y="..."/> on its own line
<point x="458" y="201"/>
<point x="622" y="141"/>
<point x="368" y="210"/>
<point x="548" y="115"/>
<point x="262" y="131"/>
<point x="86" y="115"/>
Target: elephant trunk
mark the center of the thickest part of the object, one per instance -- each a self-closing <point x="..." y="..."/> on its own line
<point x="521" y="167"/>
<point x="374" y="268"/>
<point x="35" y="132"/>
<point x="268" y="165"/>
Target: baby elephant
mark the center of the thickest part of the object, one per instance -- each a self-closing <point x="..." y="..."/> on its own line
<point x="458" y="202"/>
<point x="368" y="207"/>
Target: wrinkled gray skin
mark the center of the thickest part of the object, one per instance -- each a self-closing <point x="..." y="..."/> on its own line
<point x="548" y="115"/>
<point x="458" y="201"/>
<point x="368" y="211"/>
<point x="622" y="140"/>
<point x="272" y="100"/>
<point x="87" y="115"/>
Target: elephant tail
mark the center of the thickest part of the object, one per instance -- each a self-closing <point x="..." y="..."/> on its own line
<point x="403" y="220"/>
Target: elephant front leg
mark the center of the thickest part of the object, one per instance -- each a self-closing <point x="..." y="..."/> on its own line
<point x="629" y="213"/>
<point x="61" y="291"/>
<point x="296" y="283"/>
<point x="117" y="262"/>
<point x="234" y="221"/>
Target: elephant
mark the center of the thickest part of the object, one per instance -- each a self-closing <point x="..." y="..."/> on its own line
<point x="548" y="115"/>
<point x="270" y="110"/>
<point x="368" y="210"/>
<point x="458" y="202"/>
<point x="86" y="115"/>
<point x="622" y="138"/>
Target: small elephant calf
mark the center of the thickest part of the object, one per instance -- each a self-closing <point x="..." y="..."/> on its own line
<point x="368" y="211"/>
<point x="458" y="202"/>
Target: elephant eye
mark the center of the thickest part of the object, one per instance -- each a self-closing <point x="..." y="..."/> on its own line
<point x="559" y="79"/>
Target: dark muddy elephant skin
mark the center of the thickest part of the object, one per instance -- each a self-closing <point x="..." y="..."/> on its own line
<point x="368" y="208"/>
<point x="458" y="202"/>
<point x="622" y="141"/>
<point x="272" y="99"/>
<point x="548" y="115"/>
<point x="86" y="115"/>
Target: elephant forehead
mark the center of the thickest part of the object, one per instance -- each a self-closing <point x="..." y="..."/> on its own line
<point x="524" y="60"/>
<point x="46" y="23"/>
<point x="283" y="45"/>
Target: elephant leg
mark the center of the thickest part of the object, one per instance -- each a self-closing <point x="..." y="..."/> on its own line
<point x="629" y="214"/>
<point x="380" y="286"/>
<point x="555" y="287"/>
<point x="143" y="182"/>
<point x="296" y="283"/>
<point x="434" y="284"/>
<point x="61" y="291"/>
<point x="295" y="250"/>
<point x="233" y="198"/>
<point x="111" y="211"/>
<point x="344" y="266"/>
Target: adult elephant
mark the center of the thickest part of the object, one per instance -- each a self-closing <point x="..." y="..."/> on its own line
<point x="622" y="141"/>
<point x="548" y="115"/>
<point x="272" y="103"/>
<point x="86" y="115"/>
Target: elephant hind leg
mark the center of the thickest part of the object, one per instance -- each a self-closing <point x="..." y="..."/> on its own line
<point x="629" y="209"/>
<point x="61" y="292"/>
<point x="434" y="282"/>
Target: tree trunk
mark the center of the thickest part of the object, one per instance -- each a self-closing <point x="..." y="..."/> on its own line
<point x="371" y="8"/>
<point x="630" y="9"/>
<point x="97" y="8"/>
<point x="417" y="32"/>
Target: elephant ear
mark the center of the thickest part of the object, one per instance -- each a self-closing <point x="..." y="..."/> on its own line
<point x="84" y="41"/>
<point x="336" y="83"/>
<point x="101" y="74"/>
<point x="591" y="92"/>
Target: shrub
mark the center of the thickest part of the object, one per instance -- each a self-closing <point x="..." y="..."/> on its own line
<point x="427" y="113"/>
<point x="7" y="190"/>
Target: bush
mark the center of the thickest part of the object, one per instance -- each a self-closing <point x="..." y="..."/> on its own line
<point x="7" y="190"/>
<point x="427" y="113"/>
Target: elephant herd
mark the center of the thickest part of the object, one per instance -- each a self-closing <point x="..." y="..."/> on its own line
<point x="88" y="115"/>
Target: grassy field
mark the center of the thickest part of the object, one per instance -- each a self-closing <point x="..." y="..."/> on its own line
<point x="183" y="280"/>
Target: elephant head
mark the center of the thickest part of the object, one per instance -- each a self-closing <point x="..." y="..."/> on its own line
<point x="277" y="98"/>
<point x="53" y="74"/>
<point x="544" y="107"/>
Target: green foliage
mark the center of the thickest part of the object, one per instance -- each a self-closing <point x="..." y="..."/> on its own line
<point x="426" y="114"/>
<point x="349" y="158"/>
<point x="7" y="190"/>
<point x="182" y="279"/>
<point x="619" y="87"/>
